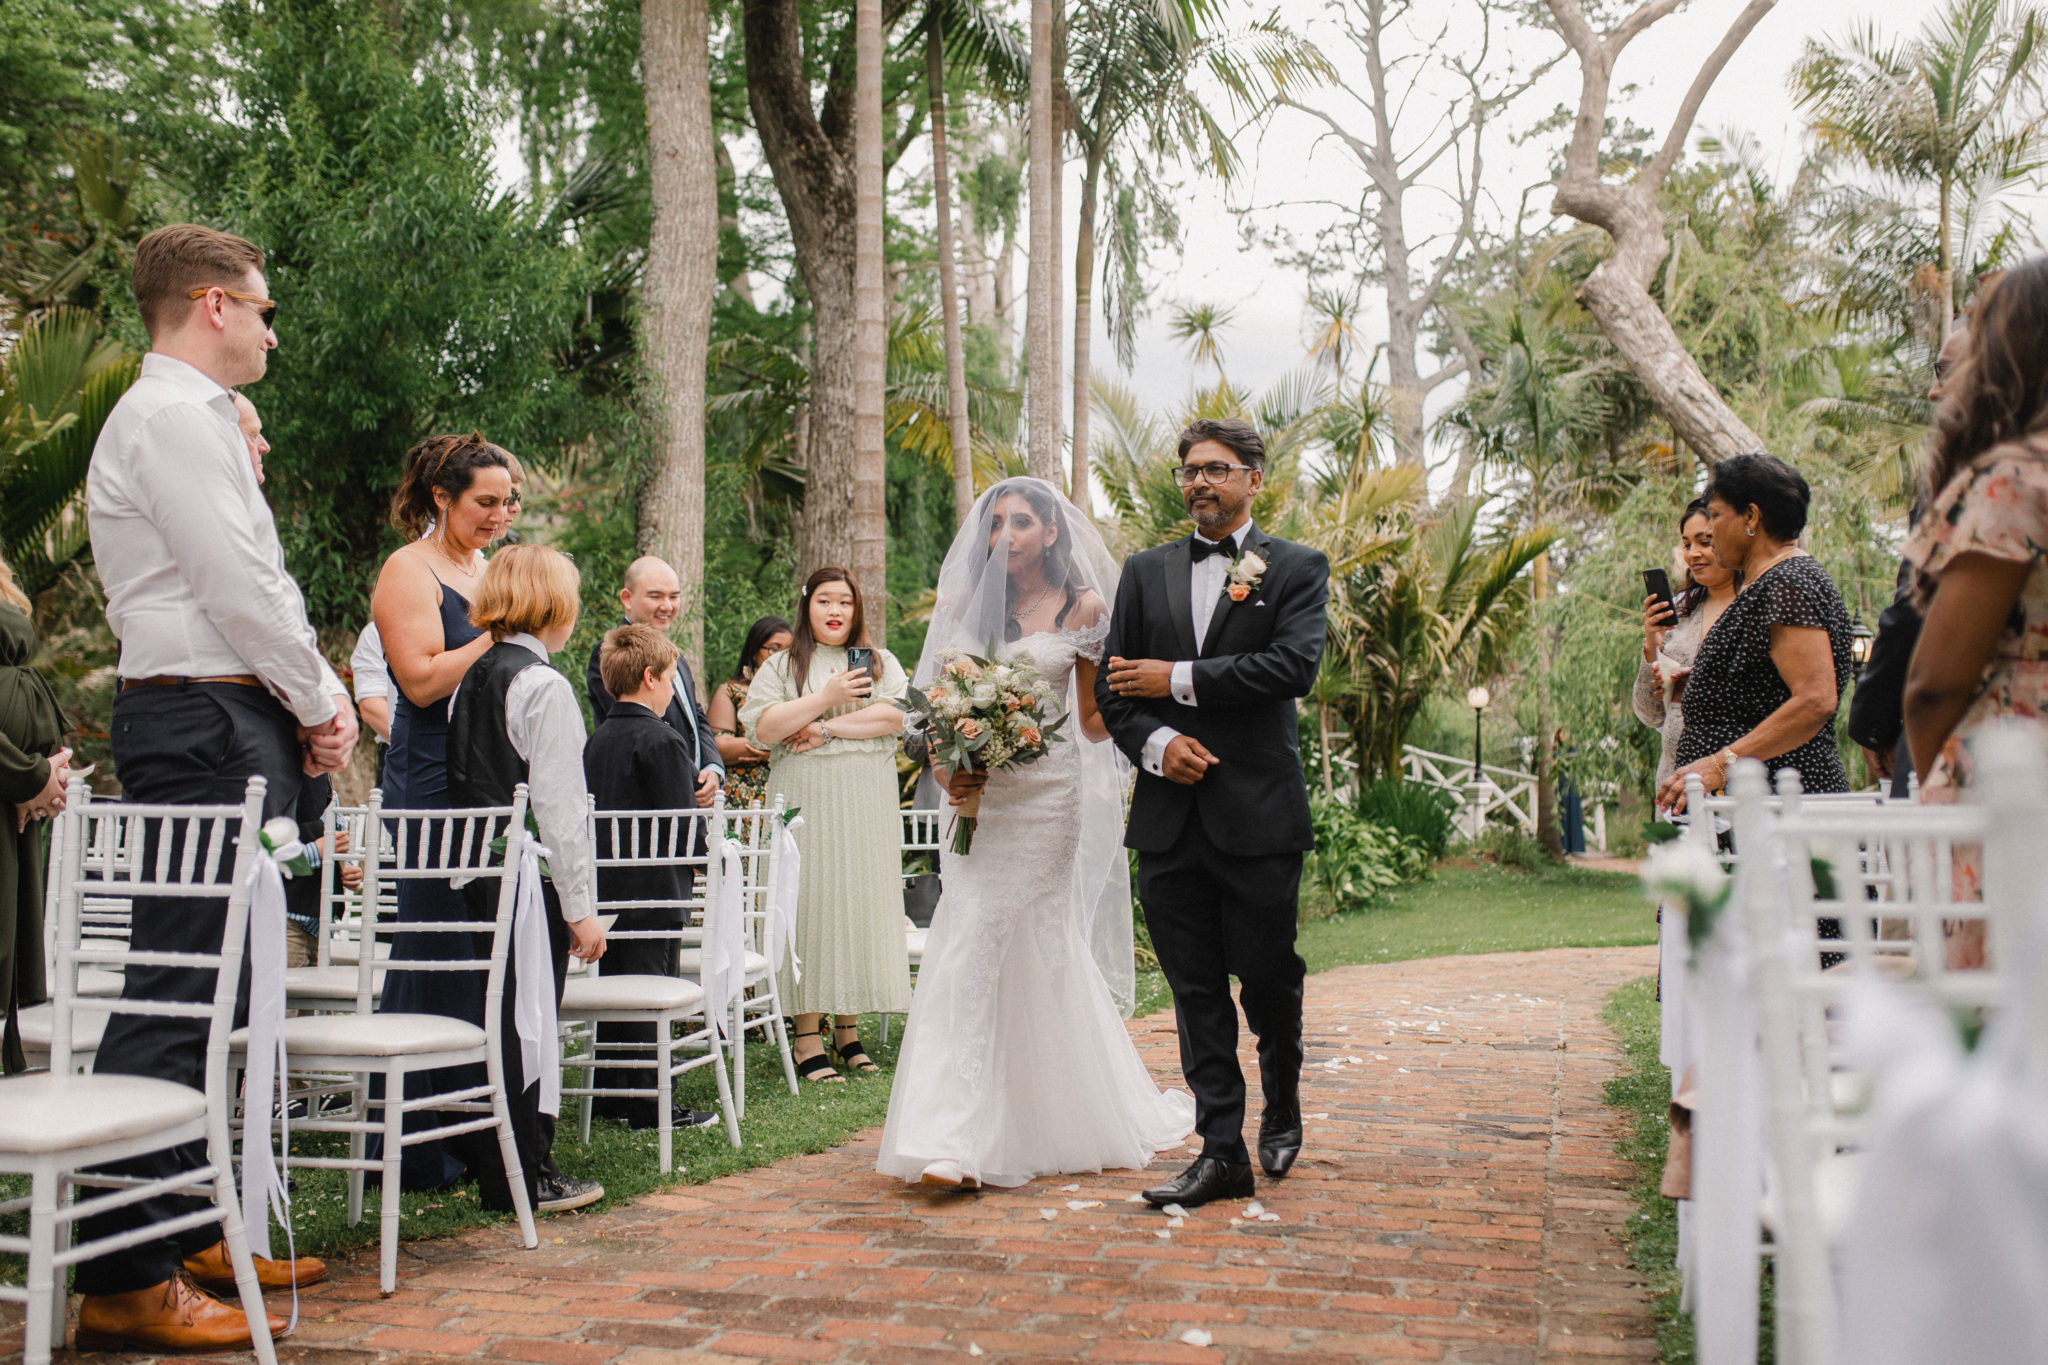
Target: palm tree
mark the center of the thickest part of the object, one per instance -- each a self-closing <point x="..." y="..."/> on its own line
<point x="980" y="39"/>
<point x="1953" y="110"/>
<point x="1337" y="338"/>
<point x="1041" y="288"/>
<point x="1199" y="324"/>
<point x="58" y="382"/>
<point x="680" y="282"/>
<point x="1133" y="103"/>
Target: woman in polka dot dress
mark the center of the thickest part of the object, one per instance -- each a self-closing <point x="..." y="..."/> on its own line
<point x="1770" y="674"/>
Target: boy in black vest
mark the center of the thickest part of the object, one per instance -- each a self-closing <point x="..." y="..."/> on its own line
<point x="637" y="761"/>
<point x="514" y="719"/>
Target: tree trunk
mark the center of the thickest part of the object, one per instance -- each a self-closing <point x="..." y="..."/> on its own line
<point x="1617" y="293"/>
<point x="812" y="156"/>
<point x="871" y="326"/>
<point x="1084" y="326"/>
<point x="1546" y="749"/>
<point x="1041" y="312"/>
<point x="681" y="280"/>
<point x="949" y="289"/>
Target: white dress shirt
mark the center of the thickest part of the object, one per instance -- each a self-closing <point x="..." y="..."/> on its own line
<point x="187" y="549"/>
<point x="1206" y="579"/>
<point x="546" y="729"/>
<point x="373" y="676"/>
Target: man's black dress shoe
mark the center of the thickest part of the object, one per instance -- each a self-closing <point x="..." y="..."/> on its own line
<point x="1209" y="1179"/>
<point x="1279" y="1141"/>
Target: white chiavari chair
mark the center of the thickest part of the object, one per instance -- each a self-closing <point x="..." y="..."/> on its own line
<point x="425" y="845"/>
<point x="55" y="1124"/>
<point x="682" y="1020"/>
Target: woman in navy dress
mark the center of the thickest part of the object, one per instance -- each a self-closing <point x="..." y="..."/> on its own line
<point x="456" y="497"/>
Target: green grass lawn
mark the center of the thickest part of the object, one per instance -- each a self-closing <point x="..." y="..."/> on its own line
<point x="1462" y="908"/>
<point x="1480" y="908"/>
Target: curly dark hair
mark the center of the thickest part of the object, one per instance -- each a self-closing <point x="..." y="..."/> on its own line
<point x="1765" y="482"/>
<point x="1998" y="391"/>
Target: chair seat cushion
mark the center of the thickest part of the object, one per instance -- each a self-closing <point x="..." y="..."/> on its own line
<point x="347" y="952"/>
<point x="369" y="1035"/>
<point x="328" y="983"/>
<point x="914" y="940"/>
<point x="693" y="962"/>
<point x="96" y="983"/>
<point x="42" y="1113"/>
<point x="38" y="1023"/>
<point x="631" y="993"/>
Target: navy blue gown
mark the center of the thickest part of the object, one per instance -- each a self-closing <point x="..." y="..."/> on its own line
<point x="416" y="778"/>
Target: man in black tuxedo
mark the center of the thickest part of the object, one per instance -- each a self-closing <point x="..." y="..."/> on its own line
<point x="652" y="596"/>
<point x="1212" y="640"/>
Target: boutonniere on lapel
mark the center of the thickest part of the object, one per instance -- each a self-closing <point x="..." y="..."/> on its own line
<point x="1245" y="572"/>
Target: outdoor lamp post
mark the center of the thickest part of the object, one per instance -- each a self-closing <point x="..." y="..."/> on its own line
<point x="1478" y="699"/>
<point x="1860" y="640"/>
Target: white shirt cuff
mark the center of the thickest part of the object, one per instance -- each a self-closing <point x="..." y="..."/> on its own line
<point x="1182" y="682"/>
<point x="1154" y="757"/>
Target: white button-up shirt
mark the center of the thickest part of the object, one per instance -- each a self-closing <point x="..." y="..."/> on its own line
<point x="372" y="675"/>
<point x="1206" y="578"/>
<point x="187" y="549"/>
<point x="546" y="729"/>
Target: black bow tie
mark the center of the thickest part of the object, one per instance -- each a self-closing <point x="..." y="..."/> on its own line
<point x="1200" y="549"/>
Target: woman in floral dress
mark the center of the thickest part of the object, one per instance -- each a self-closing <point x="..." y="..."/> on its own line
<point x="1979" y="554"/>
<point x="746" y="763"/>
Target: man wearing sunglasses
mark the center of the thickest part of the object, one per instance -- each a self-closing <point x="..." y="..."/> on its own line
<point x="1212" y="639"/>
<point x="221" y="680"/>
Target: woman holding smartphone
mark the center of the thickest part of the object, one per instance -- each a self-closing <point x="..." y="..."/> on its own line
<point x="827" y="710"/>
<point x="1673" y="629"/>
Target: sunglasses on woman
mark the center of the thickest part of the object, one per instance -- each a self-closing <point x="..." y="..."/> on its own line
<point x="265" y="308"/>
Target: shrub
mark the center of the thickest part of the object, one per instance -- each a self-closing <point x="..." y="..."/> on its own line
<point x="1425" y="814"/>
<point x="1509" y="845"/>
<point x="1355" y="859"/>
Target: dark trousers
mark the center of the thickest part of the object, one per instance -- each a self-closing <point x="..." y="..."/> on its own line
<point x="193" y="744"/>
<point x="632" y="957"/>
<point x="1213" y="916"/>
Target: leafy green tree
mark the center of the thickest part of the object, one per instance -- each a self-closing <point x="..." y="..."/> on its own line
<point x="415" y="297"/>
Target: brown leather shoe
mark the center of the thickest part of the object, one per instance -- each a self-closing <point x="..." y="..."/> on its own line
<point x="216" y="1274"/>
<point x="173" y="1316"/>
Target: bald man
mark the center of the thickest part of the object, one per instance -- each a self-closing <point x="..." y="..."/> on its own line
<point x="652" y="596"/>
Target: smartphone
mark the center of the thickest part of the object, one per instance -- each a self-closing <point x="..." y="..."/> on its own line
<point x="1657" y="584"/>
<point x="861" y="656"/>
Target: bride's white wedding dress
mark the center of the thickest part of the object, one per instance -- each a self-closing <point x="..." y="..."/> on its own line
<point x="1016" y="1062"/>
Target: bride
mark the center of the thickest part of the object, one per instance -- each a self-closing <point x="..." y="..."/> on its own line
<point x="1015" y="1062"/>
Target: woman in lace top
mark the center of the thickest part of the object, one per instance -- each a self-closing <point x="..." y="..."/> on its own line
<point x="1769" y="676"/>
<point x="1669" y="645"/>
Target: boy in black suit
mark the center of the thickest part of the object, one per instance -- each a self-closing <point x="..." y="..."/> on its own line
<point x="637" y="761"/>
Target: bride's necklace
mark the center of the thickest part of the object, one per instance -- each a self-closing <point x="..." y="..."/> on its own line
<point x="1019" y="613"/>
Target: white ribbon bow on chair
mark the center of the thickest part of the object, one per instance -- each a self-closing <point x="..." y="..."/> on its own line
<point x="725" y="951"/>
<point x="264" y="1189"/>
<point x="782" y="892"/>
<point x="533" y="1001"/>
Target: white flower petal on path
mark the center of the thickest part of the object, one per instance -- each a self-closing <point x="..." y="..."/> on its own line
<point x="1254" y="1209"/>
<point x="1176" y="1222"/>
<point x="1163" y="1235"/>
<point x="1078" y="1204"/>
<point x="1195" y="1336"/>
<point x="1069" y="1187"/>
<point x="1048" y="1214"/>
<point x="1174" y="1211"/>
<point x="975" y="1350"/>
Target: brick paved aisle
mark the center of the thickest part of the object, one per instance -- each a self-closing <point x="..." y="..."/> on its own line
<point x="1458" y="1200"/>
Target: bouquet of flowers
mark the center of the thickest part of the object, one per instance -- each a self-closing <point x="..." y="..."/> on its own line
<point x="983" y="715"/>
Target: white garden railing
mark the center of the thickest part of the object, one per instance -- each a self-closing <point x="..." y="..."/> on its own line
<point x="1498" y="796"/>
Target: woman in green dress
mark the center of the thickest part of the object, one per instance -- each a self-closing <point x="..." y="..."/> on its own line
<point x="33" y="771"/>
<point x="832" y="733"/>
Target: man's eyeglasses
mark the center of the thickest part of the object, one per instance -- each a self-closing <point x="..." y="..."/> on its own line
<point x="1186" y="475"/>
<point x="265" y="308"/>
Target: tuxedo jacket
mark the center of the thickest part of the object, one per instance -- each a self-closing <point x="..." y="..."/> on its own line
<point x="636" y="761"/>
<point x="1259" y="656"/>
<point x="685" y="714"/>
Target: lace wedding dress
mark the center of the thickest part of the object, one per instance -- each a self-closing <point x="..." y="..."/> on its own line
<point x="1015" y="1062"/>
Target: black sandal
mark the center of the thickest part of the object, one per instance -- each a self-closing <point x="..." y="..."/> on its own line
<point x="819" y="1067"/>
<point x="852" y="1055"/>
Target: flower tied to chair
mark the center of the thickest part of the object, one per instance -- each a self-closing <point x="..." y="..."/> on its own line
<point x="265" y="1191"/>
<point x="782" y="892"/>
<point x="533" y="1001"/>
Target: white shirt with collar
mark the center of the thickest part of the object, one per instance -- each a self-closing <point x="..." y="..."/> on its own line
<point x="372" y="674"/>
<point x="1206" y="579"/>
<point x="187" y="548"/>
<point x="546" y="729"/>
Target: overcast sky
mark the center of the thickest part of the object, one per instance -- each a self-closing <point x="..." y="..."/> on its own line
<point x="1268" y="334"/>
